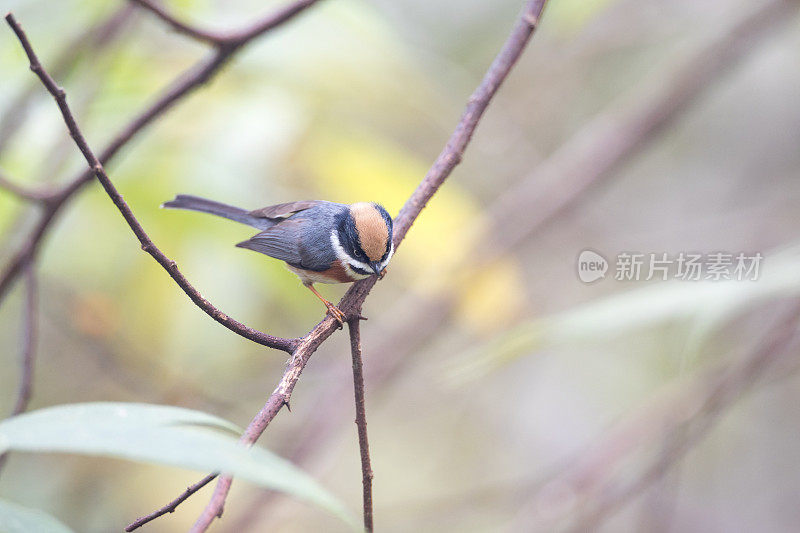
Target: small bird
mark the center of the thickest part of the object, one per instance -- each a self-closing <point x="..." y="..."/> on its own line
<point x="321" y="242"/>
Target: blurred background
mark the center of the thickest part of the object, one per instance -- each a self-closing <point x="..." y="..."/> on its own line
<point x="503" y="393"/>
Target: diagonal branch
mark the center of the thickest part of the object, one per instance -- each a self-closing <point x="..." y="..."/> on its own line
<point x="354" y="325"/>
<point x="171" y="506"/>
<point x="147" y="244"/>
<point x="682" y="420"/>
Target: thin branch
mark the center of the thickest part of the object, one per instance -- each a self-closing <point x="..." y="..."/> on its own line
<point x="97" y="170"/>
<point x="171" y="506"/>
<point x="186" y="29"/>
<point x="29" y="338"/>
<point x="184" y="84"/>
<point x="354" y="325"/>
<point x="354" y="298"/>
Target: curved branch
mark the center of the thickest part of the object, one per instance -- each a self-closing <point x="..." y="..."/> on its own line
<point x="227" y="39"/>
<point x="186" y="29"/>
<point x="148" y="246"/>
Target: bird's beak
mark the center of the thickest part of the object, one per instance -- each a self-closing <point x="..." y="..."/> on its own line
<point x="376" y="267"/>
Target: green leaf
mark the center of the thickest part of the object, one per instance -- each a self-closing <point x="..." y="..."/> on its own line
<point x="15" y="518"/>
<point x="163" y="435"/>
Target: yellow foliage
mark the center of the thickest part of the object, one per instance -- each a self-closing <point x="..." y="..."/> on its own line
<point x="349" y="169"/>
<point x="493" y="298"/>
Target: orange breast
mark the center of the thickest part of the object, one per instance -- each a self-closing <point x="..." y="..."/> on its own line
<point x="335" y="274"/>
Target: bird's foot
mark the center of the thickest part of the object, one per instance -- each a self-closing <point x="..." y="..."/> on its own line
<point x="383" y="273"/>
<point x="336" y="313"/>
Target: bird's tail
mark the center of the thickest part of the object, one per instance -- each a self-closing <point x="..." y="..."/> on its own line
<point x="195" y="203"/>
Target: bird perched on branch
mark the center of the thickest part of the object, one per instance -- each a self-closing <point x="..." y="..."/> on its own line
<point x="321" y="242"/>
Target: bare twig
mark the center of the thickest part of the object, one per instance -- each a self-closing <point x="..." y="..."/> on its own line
<point x="171" y="506"/>
<point x="184" y="84"/>
<point x="354" y="325"/>
<point x="29" y="338"/>
<point x="354" y="298"/>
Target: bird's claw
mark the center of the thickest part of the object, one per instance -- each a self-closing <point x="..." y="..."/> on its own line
<point x="337" y="314"/>
<point x="382" y="274"/>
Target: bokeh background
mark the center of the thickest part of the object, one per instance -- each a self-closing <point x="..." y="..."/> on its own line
<point x="502" y="395"/>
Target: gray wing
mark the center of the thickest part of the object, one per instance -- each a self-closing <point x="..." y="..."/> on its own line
<point x="283" y="211"/>
<point x="303" y="240"/>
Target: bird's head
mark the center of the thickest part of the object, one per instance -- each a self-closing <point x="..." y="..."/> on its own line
<point x="363" y="238"/>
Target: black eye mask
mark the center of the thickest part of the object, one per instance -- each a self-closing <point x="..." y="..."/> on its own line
<point x="348" y="238"/>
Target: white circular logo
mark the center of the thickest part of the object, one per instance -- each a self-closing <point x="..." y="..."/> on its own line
<point x="591" y="266"/>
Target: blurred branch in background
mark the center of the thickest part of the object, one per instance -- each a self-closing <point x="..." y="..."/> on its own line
<point x="28" y="351"/>
<point x="93" y="38"/>
<point x="193" y="32"/>
<point x="586" y="492"/>
<point x="226" y="39"/>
